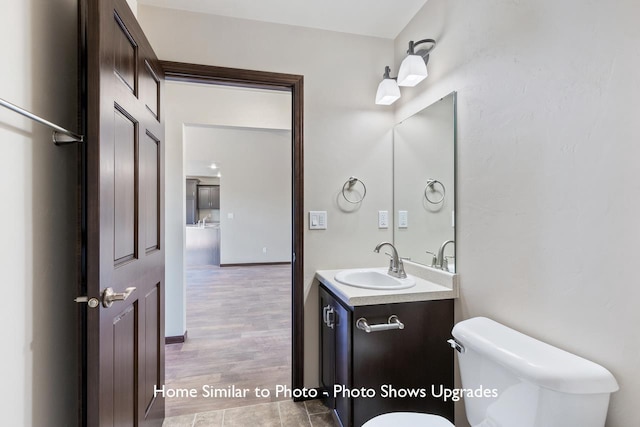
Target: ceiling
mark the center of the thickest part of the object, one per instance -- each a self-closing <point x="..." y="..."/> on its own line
<point x="378" y="18"/>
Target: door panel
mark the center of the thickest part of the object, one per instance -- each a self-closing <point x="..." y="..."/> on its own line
<point x="153" y="343"/>
<point x="125" y="54"/>
<point x="150" y="159"/>
<point x="151" y="93"/>
<point x="125" y="173"/>
<point x="123" y="205"/>
<point x="124" y="377"/>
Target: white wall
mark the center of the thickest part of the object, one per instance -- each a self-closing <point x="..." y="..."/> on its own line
<point x="548" y="130"/>
<point x="255" y="188"/>
<point x="38" y="219"/>
<point x="345" y="132"/>
<point x="133" y="5"/>
<point x="204" y="105"/>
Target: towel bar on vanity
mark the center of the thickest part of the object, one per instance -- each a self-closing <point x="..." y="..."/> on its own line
<point x="393" y="323"/>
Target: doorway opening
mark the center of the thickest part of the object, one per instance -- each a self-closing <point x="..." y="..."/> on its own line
<point x="293" y="272"/>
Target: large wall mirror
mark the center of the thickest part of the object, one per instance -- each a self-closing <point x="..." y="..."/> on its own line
<point x="424" y="187"/>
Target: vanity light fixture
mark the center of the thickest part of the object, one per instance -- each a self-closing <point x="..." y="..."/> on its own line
<point x="388" y="90"/>
<point x="414" y="67"/>
<point x="413" y="70"/>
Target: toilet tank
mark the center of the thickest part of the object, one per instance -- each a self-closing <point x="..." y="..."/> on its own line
<point x="512" y="380"/>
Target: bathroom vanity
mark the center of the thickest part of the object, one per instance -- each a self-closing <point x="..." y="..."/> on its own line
<point x="385" y="365"/>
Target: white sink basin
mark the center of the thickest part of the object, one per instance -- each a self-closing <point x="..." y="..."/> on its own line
<point x="373" y="278"/>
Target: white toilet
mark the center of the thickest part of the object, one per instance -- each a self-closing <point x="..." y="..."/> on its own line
<point x="536" y="384"/>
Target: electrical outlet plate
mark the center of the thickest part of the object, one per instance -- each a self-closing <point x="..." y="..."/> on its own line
<point x="317" y="220"/>
<point x="383" y="219"/>
<point x="403" y="219"/>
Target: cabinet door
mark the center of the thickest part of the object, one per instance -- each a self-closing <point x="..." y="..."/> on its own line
<point x="215" y="197"/>
<point x="191" y="192"/>
<point x="191" y="211"/>
<point x="328" y="350"/>
<point x="192" y="185"/>
<point x="415" y="357"/>
<point x="335" y="366"/>
<point x="343" y="362"/>
<point x="204" y="197"/>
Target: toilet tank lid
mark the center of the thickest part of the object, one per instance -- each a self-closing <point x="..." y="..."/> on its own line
<point x="532" y="360"/>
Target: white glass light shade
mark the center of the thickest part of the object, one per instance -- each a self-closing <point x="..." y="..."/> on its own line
<point x="413" y="70"/>
<point x="388" y="92"/>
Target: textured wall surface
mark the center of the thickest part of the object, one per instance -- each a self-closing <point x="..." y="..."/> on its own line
<point x="548" y="99"/>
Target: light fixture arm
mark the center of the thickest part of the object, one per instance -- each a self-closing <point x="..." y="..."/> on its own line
<point x="387" y="75"/>
<point x="424" y="53"/>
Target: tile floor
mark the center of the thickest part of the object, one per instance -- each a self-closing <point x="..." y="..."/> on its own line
<point x="286" y="413"/>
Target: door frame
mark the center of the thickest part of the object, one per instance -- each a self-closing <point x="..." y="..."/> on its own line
<point x="207" y="74"/>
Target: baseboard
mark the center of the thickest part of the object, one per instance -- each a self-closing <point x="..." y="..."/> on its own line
<point x="176" y="339"/>
<point x="255" y="264"/>
<point x="318" y="395"/>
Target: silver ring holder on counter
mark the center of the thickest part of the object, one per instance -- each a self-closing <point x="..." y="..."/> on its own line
<point x="348" y="185"/>
<point x="430" y="187"/>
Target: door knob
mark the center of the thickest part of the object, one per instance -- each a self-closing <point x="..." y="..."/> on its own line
<point x="109" y="296"/>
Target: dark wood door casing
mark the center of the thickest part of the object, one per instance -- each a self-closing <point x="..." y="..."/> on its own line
<point x="123" y="221"/>
<point x="196" y="73"/>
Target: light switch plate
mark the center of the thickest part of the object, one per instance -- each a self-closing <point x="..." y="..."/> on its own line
<point x="317" y="220"/>
<point x="403" y="219"/>
<point x="383" y="219"/>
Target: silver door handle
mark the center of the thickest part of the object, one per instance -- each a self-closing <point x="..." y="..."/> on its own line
<point x="109" y="296"/>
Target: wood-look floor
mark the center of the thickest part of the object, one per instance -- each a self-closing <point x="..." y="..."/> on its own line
<point x="239" y="335"/>
<point x="311" y="413"/>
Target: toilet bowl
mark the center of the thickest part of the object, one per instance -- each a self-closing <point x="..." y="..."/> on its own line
<point x="512" y="380"/>
<point x="397" y="419"/>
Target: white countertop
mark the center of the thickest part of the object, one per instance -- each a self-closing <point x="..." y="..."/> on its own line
<point x="426" y="288"/>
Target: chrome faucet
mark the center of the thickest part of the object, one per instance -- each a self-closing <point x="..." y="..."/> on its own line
<point x="396" y="267"/>
<point x="441" y="264"/>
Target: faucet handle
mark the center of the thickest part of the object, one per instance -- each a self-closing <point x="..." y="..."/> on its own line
<point x="434" y="258"/>
<point x="400" y="267"/>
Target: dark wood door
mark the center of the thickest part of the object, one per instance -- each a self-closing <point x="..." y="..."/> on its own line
<point x="123" y="243"/>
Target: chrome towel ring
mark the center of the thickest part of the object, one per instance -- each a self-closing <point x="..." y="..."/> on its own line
<point x="431" y="187"/>
<point x="349" y="184"/>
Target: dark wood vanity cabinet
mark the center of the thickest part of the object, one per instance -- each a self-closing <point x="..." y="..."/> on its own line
<point x="390" y="363"/>
<point x="208" y="197"/>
